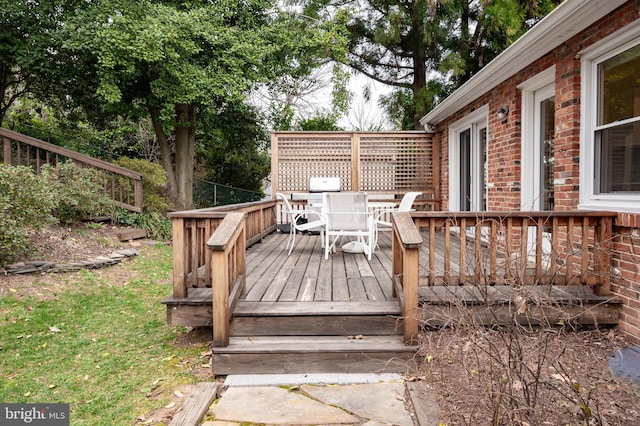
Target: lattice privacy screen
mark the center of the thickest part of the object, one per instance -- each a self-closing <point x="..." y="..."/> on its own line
<point x="373" y="162"/>
<point x="301" y="156"/>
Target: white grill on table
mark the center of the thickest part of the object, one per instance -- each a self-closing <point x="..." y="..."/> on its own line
<point x="325" y="184"/>
<point x="318" y="185"/>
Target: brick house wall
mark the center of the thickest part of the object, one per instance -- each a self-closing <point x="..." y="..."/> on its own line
<point x="504" y="153"/>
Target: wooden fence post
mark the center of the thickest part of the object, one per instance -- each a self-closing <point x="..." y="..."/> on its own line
<point x="410" y="266"/>
<point x="220" y="277"/>
<point x="179" y="259"/>
<point x="406" y="266"/>
<point x="7" y="151"/>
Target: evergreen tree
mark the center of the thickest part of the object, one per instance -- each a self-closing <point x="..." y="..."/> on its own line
<point x="429" y="47"/>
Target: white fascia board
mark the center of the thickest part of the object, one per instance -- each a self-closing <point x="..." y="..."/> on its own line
<point x="564" y="22"/>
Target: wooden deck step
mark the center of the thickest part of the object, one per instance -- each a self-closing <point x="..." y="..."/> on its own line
<point x="195" y="310"/>
<point x="314" y="354"/>
<point x="316" y="318"/>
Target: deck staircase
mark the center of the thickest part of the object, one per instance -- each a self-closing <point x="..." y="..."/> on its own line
<point x="317" y="337"/>
<point x="303" y="337"/>
<point x="122" y="185"/>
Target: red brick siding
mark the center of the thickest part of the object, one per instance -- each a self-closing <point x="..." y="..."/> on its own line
<point x="626" y="272"/>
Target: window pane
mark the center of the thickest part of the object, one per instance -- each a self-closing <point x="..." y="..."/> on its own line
<point x="547" y="133"/>
<point x="619" y="79"/>
<point x="465" y="170"/>
<point x="619" y="158"/>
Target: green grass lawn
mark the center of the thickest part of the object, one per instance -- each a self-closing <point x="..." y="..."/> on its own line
<point x="103" y="347"/>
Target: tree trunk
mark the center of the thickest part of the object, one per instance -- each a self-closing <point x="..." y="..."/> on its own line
<point x="419" y="84"/>
<point x="4" y="70"/>
<point x="165" y="153"/>
<point x="185" y="153"/>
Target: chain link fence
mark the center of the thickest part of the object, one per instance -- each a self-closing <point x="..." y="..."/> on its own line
<point x="209" y="194"/>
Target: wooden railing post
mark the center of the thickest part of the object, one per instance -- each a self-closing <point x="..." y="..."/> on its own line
<point x="410" y="266"/>
<point x="220" y="288"/>
<point x="179" y="258"/>
<point x="137" y="190"/>
<point x="227" y="272"/>
<point x="6" y="149"/>
<point x="406" y="266"/>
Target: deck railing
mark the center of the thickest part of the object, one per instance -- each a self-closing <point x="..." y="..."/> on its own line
<point x="124" y="186"/>
<point x="508" y="248"/>
<point x="209" y="251"/>
<point x="192" y="229"/>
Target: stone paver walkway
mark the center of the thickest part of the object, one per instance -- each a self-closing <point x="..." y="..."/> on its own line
<point x="329" y="401"/>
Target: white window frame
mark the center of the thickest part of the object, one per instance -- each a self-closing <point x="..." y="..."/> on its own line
<point x="530" y="170"/>
<point x="591" y="57"/>
<point x="481" y="114"/>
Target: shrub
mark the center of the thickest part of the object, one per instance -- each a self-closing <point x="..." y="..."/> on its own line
<point x="157" y="224"/>
<point x="26" y="203"/>
<point x="79" y="191"/>
<point x="29" y="202"/>
<point x="154" y="183"/>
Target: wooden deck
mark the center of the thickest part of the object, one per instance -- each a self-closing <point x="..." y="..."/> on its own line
<point x="305" y="276"/>
<point x="345" y="286"/>
<point x="302" y="313"/>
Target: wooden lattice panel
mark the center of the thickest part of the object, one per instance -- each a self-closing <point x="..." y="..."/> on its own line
<point x="396" y="162"/>
<point x="378" y="163"/>
<point x="301" y="157"/>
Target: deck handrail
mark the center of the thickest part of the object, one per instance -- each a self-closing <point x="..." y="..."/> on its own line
<point x="228" y="271"/>
<point x="565" y="247"/>
<point x="513" y="248"/>
<point x="192" y="230"/>
<point x="121" y="183"/>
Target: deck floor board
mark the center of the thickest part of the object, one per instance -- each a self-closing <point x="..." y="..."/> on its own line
<point x="306" y="276"/>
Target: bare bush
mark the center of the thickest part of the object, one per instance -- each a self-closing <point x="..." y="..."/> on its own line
<point x="532" y="368"/>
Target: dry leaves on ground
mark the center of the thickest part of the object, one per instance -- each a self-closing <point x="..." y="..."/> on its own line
<point x="550" y="377"/>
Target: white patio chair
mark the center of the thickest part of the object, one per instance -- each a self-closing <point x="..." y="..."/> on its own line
<point x="346" y="214"/>
<point x="294" y="226"/>
<point x="406" y="205"/>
